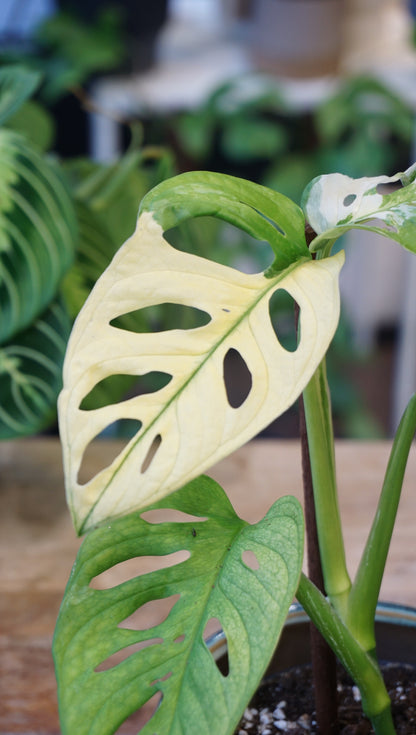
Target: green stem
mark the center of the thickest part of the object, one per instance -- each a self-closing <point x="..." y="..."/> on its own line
<point x="365" y="591"/>
<point x="322" y="657"/>
<point x="322" y="457"/>
<point x="360" y="665"/>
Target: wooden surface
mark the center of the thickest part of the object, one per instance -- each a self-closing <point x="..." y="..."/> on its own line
<point x="38" y="546"/>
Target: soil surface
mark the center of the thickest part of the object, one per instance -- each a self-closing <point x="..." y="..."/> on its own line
<point x="284" y="703"/>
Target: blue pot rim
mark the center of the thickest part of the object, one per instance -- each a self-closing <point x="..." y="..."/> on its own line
<point x="387" y="612"/>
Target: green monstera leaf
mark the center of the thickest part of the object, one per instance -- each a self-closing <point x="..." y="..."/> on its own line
<point x="190" y="423"/>
<point x="336" y="203"/>
<point x="108" y="665"/>
<point x="31" y="373"/>
<point x="38" y="233"/>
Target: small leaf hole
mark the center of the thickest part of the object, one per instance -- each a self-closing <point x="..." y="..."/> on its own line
<point x="150" y="614"/>
<point x="94" y="459"/>
<point x="137" y="721"/>
<point x="162" y="318"/>
<point x="115" y="387"/>
<point x="282" y="316"/>
<point x="180" y="638"/>
<point x="389" y="187"/>
<point x="132" y="568"/>
<point x="222" y="662"/>
<point x="151" y="453"/>
<point x="237" y="378"/>
<point x="349" y="199"/>
<point x="169" y="515"/>
<point x="250" y="560"/>
<point x="117" y="658"/>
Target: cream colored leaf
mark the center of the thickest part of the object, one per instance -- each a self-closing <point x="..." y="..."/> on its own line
<point x="190" y="420"/>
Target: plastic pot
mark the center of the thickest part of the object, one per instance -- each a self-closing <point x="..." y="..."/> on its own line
<point x="395" y="634"/>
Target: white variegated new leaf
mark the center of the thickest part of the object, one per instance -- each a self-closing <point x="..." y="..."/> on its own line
<point x="336" y="203"/>
<point x="192" y="416"/>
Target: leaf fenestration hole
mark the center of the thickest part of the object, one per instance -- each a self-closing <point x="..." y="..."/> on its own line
<point x="169" y="515"/>
<point x="349" y="199"/>
<point x="104" y="391"/>
<point x="250" y="560"/>
<point x="150" y="614"/>
<point x="94" y="459"/>
<point x="282" y="316"/>
<point x="383" y="225"/>
<point x="388" y="187"/>
<point x="213" y="626"/>
<point x="237" y="378"/>
<point x="119" y="656"/>
<point x="139" y="565"/>
<point x="151" y="453"/>
<point x="162" y="318"/>
<point x="229" y="244"/>
<point x="180" y="638"/>
<point x="138" y="719"/>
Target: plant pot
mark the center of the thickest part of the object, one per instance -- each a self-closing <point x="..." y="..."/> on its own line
<point x="395" y="634"/>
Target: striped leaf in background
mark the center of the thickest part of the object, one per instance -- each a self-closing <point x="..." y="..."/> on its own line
<point x="30" y="373"/>
<point x="17" y="84"/>
<point x="38" y="233"/>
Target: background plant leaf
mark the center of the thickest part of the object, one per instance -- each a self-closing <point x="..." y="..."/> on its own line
<point x="214" y="582"/>
<point x="31" y="373"/>
<point x="335" y="203"/>
<point x="363" y="106"/>
<point x="36" y="123"/>
<point x="38" y="233"/>
<point x="246" y="139"/>
<point x="17" y="84"/>
<point x="182" y="433"/>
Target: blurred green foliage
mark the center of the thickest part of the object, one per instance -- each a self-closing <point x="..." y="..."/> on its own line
<point x="67" y="51"/>
<point x="245" y="128"/>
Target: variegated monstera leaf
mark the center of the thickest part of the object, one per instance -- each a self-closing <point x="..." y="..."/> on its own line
<point x="335" y="203"/>
<point x="189" y="424"/>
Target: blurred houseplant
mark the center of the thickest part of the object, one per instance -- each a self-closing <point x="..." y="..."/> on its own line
<point x="248" y="128"/>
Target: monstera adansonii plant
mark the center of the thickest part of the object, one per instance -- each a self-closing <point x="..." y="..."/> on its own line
<point x="106" y="667"/>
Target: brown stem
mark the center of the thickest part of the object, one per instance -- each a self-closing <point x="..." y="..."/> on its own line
<point x="323" y="659"/>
